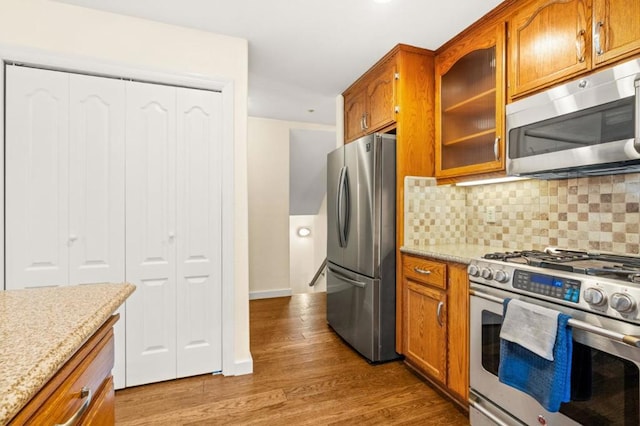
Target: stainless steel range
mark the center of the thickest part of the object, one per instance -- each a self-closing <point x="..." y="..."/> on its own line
<point x="601" y="293"/>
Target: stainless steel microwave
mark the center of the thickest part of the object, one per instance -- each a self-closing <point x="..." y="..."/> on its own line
<point x="590" y="126"/>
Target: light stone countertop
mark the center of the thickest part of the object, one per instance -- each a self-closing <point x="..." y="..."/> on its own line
<point x="458" y="253"/>
<point x="41" y="329"/>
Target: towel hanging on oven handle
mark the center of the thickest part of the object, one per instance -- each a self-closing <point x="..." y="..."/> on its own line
<point x="614" y="335"/>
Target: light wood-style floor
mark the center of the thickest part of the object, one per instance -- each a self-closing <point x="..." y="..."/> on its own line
<point x="303" y="375"/>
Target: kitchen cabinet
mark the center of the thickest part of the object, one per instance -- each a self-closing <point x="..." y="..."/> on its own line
<point x="470" y="105"/>
<point x="550" y="41"/>
<point x="435" y="323"/>
<point x="371" y="104"/>
<point x="84" y="379"/>
<point x="401" y="85"/>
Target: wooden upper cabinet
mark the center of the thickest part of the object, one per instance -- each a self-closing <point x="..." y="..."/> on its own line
<point x="470" y="105"/>
<point x="553" y="40"/>
<point x="616" y="29"/>
<point x="354" y="113"/>
<point x="370" y="104"/>
<point x="381" y="94"/>
<point x="548" y="41"/>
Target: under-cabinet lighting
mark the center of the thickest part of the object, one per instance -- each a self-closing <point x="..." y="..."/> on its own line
<point x="493" y="180"/>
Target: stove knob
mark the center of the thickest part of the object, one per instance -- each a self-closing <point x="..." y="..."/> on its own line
<point x="622" y="303"/>
<point x="473" y="270"/>
<point x="501" y="276"/>
<point x="595" y="297"/>
<point x="486" y="273"/>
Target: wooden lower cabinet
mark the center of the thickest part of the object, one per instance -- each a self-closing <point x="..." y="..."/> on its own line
<point x="435" y="329"/>
<point x="62" y="396"/>
<point x="426" y="341"/>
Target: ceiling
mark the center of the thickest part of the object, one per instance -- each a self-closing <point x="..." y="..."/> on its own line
<point x="303" y="53"/>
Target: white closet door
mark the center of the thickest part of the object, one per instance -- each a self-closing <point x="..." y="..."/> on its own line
<point x="199" y="321"/>
<point x="36" y="167"/>
<point x="150" y="234"/>
<point x="96" y="199"/>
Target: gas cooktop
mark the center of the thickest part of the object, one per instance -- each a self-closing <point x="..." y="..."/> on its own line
<point x="607" y="265"/>
<point x="603" y="283"/>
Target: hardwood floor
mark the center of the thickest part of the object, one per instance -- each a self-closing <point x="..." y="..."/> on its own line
<point x="304" y="374"/>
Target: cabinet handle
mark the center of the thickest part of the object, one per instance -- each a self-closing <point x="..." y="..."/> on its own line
<point x="364" y="120"/>
<point x="580" y="45"/>
<point x="421" y="271"/>
<point x="439" y="314"/>
<point x="496" y="148"/>
<point x="596" y="37"/>
<point x="86" y="394"/>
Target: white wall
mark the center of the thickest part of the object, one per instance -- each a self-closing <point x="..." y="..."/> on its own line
<point x="307" y="253"/>
<point x="57" y="28"/>
<point x="268" y="160"/>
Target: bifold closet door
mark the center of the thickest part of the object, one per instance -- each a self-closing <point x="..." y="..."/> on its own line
<point x="199" y="221"/>
<point x="36" y="180"/>
<point x="151" y="232"/>
<point x="96" y="179"/>
<point x="64" y="208"/>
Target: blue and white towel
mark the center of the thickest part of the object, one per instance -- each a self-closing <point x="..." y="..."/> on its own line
<point x="548" y="381"/>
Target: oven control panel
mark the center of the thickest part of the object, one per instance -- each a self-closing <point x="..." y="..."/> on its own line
<point x="547" y="285"/>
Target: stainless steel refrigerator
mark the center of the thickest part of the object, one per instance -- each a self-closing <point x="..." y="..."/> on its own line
<point x="361" y="298"/>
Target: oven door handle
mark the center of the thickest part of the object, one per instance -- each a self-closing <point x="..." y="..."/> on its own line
<point x="473" y="403"/>
<point x="613" y="335"/>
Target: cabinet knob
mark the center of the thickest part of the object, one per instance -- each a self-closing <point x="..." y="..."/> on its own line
<point x="172" y="236"/>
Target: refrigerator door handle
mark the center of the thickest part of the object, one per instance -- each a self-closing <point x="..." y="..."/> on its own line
<point x="342" y="207"/>
<point x="339" y="203"/>
<point x="347" y="279"/>
<point x="347" y="207"/>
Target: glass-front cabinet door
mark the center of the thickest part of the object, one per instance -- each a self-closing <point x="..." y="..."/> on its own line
<point x="470" y="105"/>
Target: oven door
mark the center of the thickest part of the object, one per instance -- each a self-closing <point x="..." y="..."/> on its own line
<point x="605" y="374"/>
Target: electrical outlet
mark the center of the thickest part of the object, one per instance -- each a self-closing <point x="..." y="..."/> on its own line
<point x="490" y="214"/>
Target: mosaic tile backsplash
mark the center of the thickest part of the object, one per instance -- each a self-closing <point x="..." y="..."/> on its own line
<point x="591" y="213"/>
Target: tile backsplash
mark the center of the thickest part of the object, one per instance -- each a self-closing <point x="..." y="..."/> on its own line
<point x="591" y="213"/>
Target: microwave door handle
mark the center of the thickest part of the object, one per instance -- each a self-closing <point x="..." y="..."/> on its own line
<point x="581" y="325"/>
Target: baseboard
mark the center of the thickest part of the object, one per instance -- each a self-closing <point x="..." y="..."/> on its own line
<point x="268" y="294"/>
<point x="242" y="367"/>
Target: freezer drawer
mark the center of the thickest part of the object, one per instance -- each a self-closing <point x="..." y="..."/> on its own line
<point x="362" y="313"/>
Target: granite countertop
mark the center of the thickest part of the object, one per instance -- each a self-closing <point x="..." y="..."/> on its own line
<point x="459" y="253"/>
<point x="41" y="329"/>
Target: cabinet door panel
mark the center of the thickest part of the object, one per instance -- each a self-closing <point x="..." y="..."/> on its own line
<point x="549" y="40"/>
<point x="616" y="31"/>
<point x="426" y="329"/>
<point x="96" y="181"/>
<point x="36" y="215"/>
<point x="199" y="251"/>
<point x="150" y="218"/>
<point x="354" y="110"/>
<point x="381" y="96"/>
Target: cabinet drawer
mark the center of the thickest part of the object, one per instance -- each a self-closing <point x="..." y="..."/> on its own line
<point x="62" y="396"/>
<point x="425" y="271"/>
